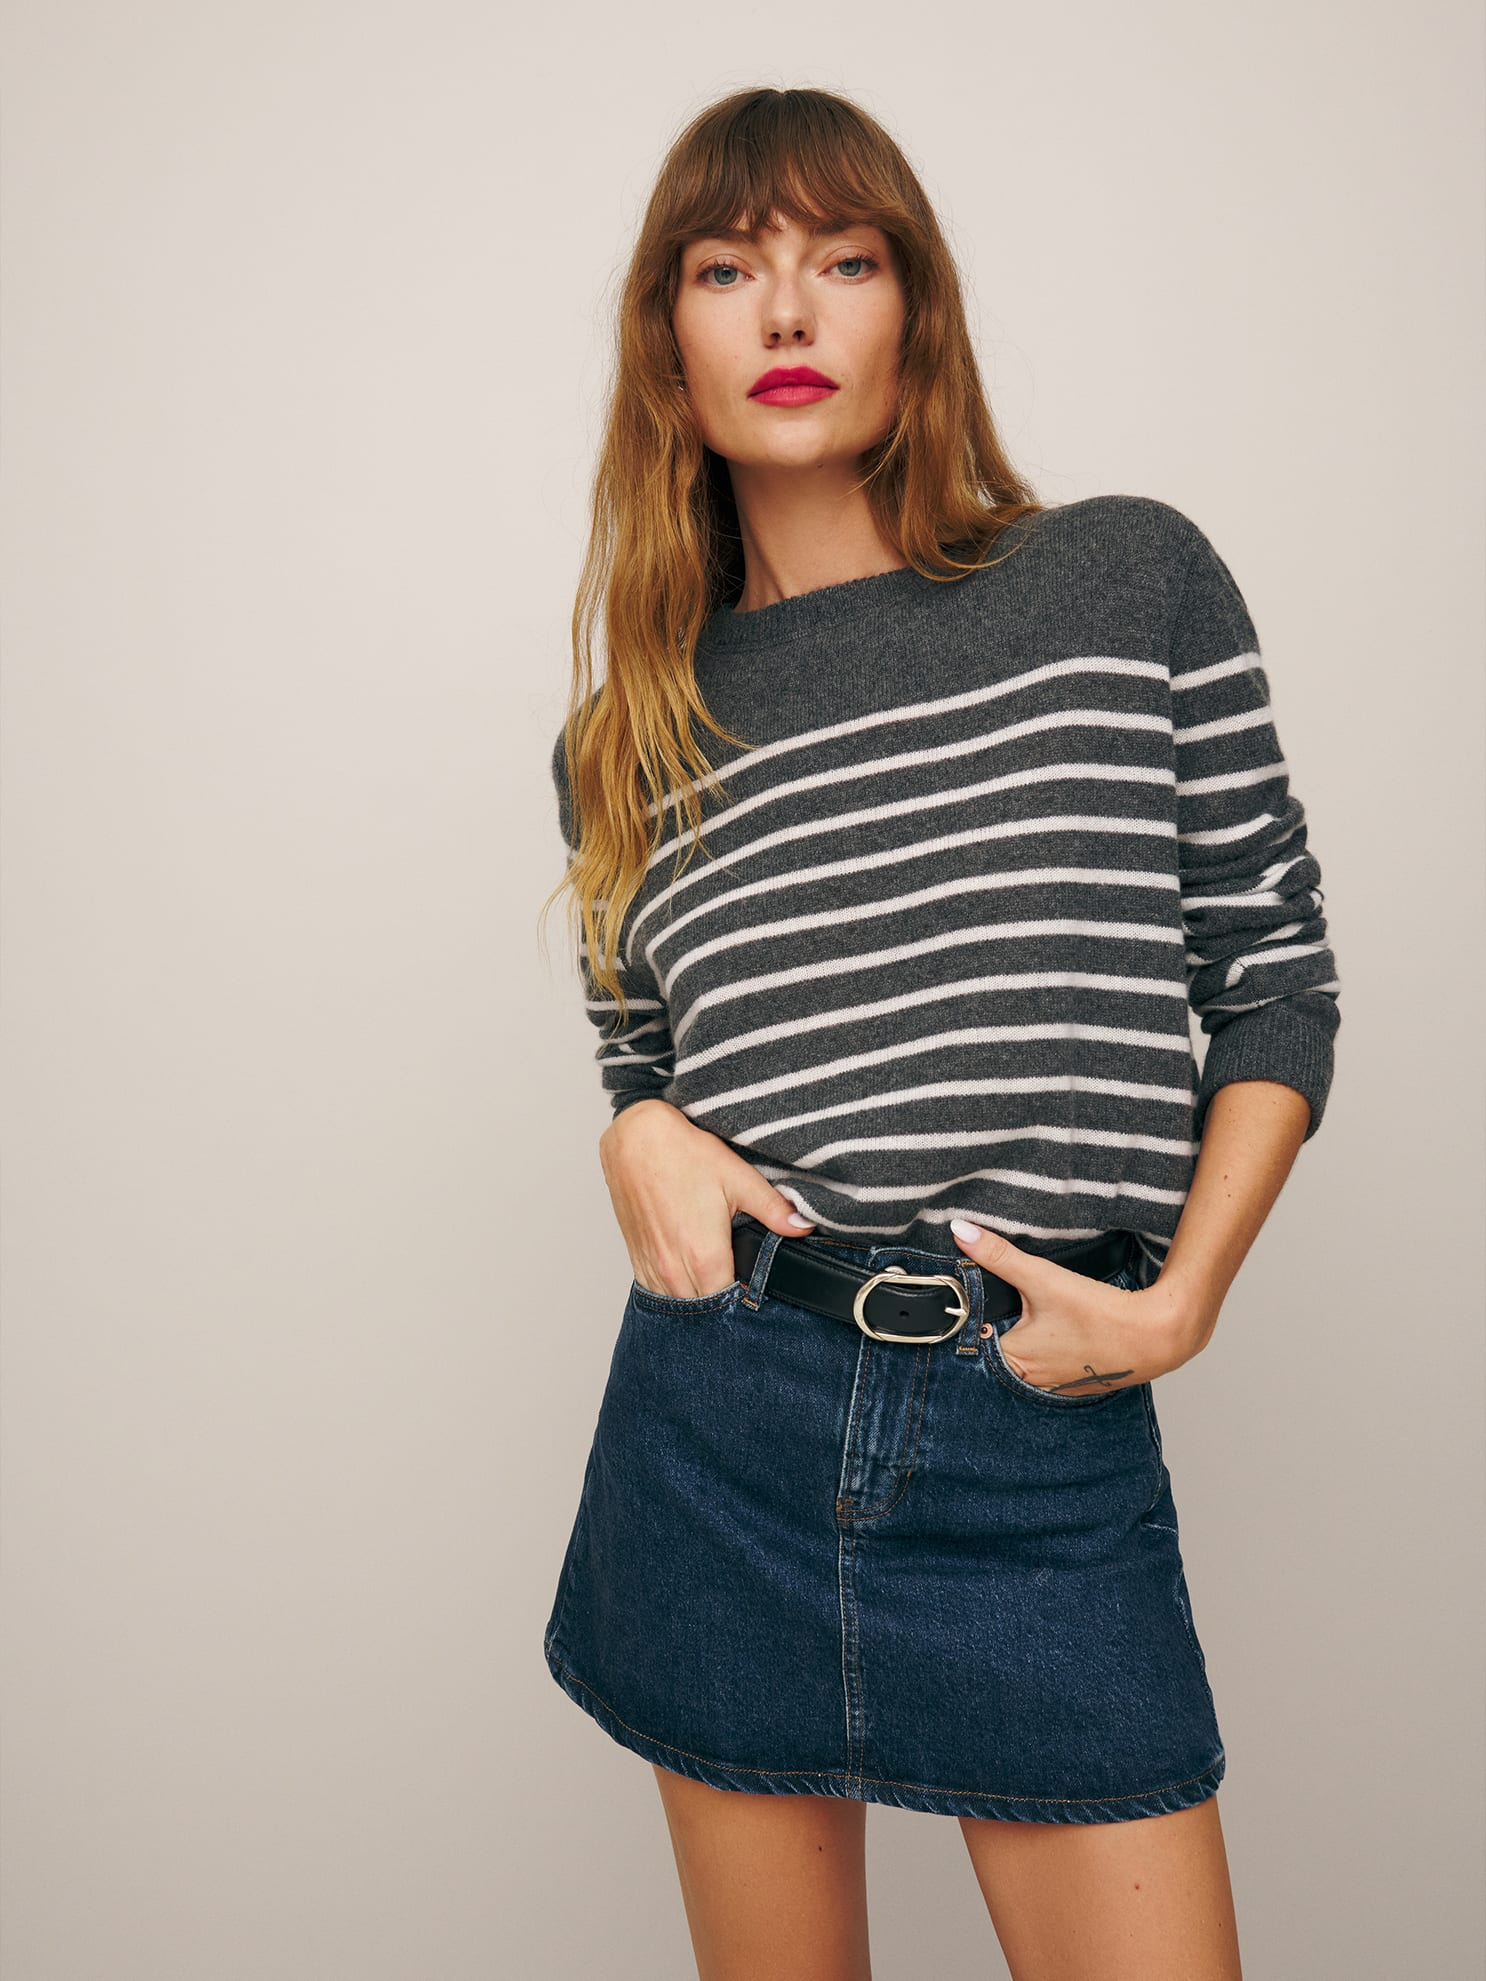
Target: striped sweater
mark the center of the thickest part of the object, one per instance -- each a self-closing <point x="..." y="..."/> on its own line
<point x="991" y="840"/>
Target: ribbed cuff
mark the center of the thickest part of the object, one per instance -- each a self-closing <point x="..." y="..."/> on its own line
<point x="1289" y="1041"/>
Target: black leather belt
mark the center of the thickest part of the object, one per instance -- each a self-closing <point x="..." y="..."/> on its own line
<point x="894" y="1304"/>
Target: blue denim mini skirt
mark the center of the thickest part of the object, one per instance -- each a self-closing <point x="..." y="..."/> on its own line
<point x="805" y="1561"/>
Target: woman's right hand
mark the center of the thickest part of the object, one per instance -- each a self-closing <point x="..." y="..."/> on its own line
<point x="674" y="1188"/>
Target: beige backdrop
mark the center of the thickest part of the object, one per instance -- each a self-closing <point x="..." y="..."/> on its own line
<point x="309" y="1276"/>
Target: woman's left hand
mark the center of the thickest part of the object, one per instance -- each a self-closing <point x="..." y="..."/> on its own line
<point x="1078" y="1335"/>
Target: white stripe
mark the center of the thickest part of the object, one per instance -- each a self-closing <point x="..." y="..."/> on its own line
<point x="1227" y="835"/>
<point x="624" y="1046"/>
<point x="1197" y="961"/>
<point x="1264" y="893"/>
<point x="912" y="760"/>
<point x="1123" y="1191"/>
<point x="1222" y="725"/>
<point x="940" y="705"/>
<point x="856" y="1014"/>
<point x="894" y="904"/>
<point x="852" y="821"/>
<point x="898" y="855"/>
<point x="864" y="960"/>
<point x="973" y="1138"/>
<point x="1217" y="670"/>
<point x="1008" y="1227"/>
<point x="1255" y="956"/>
<point x="634" y="1004"/>
<point x="635" y="1032"/>
<point x="1258" y="1004"/>
<point x="1234" y="780"/>
<point x="1020" y="1083"/>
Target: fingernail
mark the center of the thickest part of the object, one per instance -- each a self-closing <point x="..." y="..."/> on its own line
<point x="963" y="1228"/>
<point x="803" y="1222"/>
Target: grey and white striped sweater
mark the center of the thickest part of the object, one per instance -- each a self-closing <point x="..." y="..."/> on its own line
<point x="991" y="840"/>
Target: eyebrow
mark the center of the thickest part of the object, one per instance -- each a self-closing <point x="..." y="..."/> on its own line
<point x="737" y="233"/>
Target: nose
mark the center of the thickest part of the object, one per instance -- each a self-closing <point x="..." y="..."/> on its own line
<point x="787" y="316"/>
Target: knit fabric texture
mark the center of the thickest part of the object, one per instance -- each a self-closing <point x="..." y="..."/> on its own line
<point x="990" y="843"/>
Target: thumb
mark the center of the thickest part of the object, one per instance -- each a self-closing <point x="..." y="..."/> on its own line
<point x="770" y="1206"/>
<point x="996" y="1254"/>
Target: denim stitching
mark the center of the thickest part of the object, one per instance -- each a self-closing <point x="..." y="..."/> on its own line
<point x="851" y="1669"/>
<point x="887" y="1781"/>
<point x="846" y="1500"/>
<point x="1153" y="1428"/>
<point x="905" y="1461"/>
<point x="697" y="1303"/>
<point x="1151" y="1422"/>
<point x="763" y="1266"/>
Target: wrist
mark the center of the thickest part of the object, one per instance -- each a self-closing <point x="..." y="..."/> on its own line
<point x="644" y="1110"/>
<point x="1182" y="1312"/>
<point x="617" y="1131"/>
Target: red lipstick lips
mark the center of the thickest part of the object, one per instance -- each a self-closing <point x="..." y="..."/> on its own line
<point x="791" y="385"/>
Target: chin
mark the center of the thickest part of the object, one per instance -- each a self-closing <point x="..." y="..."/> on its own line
<point x="804" y="450"/>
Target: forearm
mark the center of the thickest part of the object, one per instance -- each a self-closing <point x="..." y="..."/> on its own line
<point x="1253" y="1131"/>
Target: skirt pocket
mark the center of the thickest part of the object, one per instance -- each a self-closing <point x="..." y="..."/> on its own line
<point x="1054" y="1399"/>
<point x="679" y="1306"/>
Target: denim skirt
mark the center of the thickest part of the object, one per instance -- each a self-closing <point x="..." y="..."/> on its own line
<point x="807" y="1562"/>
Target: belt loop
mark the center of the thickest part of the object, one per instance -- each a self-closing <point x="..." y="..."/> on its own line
<point x="754" y="1292"/>
<point x="969" y="1274"/>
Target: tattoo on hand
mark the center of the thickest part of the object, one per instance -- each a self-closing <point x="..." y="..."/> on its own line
<point x="1108" y="1376"/>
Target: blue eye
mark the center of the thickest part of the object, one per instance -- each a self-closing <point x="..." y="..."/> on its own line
<point x="861" y="263"/>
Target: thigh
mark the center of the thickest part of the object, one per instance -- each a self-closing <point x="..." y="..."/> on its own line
<point x="775" y="1886"/>
<point x="1144" y="1900"/>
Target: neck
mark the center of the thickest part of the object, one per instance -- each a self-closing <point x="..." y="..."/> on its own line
<point x="805" y="528"/>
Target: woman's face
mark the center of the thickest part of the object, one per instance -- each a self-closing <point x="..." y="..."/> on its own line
<point x="831" y="302"/>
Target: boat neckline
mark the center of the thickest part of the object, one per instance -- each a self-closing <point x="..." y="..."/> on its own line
<point x="879" y="594"/>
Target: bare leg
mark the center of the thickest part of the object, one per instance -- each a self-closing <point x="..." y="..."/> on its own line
<point x="775" y="1886"/>
<point x="1145" y="1900"/>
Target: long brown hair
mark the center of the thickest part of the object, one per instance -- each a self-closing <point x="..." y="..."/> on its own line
<point x="664" y="548"/>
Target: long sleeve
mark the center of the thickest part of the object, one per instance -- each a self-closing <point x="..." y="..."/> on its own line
<point x="635" y="1058"/>
<point x="1261" y="974"/>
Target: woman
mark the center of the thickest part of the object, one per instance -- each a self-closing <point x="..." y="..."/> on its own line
<point x="919" y="1184"/>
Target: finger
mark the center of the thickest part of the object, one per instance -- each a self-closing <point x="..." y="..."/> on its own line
<point x="997" y="1254"/>
<point x="770" y="1206"/>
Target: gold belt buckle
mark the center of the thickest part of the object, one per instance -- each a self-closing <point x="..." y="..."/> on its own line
<point x="897" y="1274"/>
